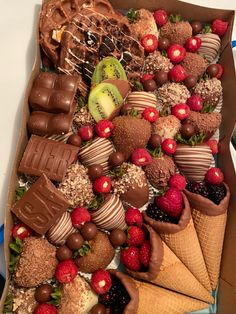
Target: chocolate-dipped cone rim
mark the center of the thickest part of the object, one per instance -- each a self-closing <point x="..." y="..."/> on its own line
<point x="129" y="284"/>
<point x="206" y="206"/>
<point x="156" y="258"/>
<point x="169" y="228"/>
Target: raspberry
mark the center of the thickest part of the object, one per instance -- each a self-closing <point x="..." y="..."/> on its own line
<point x="21" y="231"/>
<point x="193" y="44"/>
<point x="168" y="146"/>
<point x="133" y="217"/>
<point x="45" y="308"/>
<point x="101" y="281"/>
<point x="195" y="103"/>
<point x="177" y="181"/>
<point x="66" y="271"/>
<point x="86" y="133"/>
<point x="141" y="157"/>
<point x="80" y="216"/>
<point x="150" y="114"/>
<point x="176" y="53"/>
<point x="214" y="176"/>
<point x="177" y="74"/>
<point x="135" y="236"/>
<point x="104" y="128"/>
<point x="102" y="184"/>
<point x="149" y="43"/>
<point x="219" y="27"/>
<point x="160" y="17"/>
<point x="181" y="111"/>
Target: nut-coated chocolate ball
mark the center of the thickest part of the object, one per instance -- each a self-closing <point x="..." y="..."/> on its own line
<point x="117" y="237"/>
<point x="88" y="231"/>
<point x="212" y="70"/>
<point x="161" y="77"/>
<point x="190" y="81"/>
<point x="149" y="85"/>
<point x="63" y="253"/>
<point x="43" y="293"/>
<point x="155" y="141"/>
<point x="98" y="309"/>
<point x="197" y="27"/>
<point x="74" y="241"/>
<point x="163" y="43"/>
<point x="187" y="130"/>
<point x="95" y="171"/>
<point x="74" y="139"/>
<point x="116" y="159"/>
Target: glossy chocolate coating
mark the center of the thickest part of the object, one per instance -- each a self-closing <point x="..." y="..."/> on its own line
<point x="43" y="293"/>
<point x="116" y="159"/>
<point x="117" y="237"/>
<point x="190" y="81"/>
<point x="163" y="43"/>
<point x="155" y="141"/>
<point x="197" y="27"/>
<point x="187" y="130"/>
<point x="149" y="85"/>
<point x="89" y="231"/>
<point x="161" y="77"/>
<point x="74" y="241"/>
<point x="98" y="309"/>
<point x="95" y="171"/>
<point x="64" y="253"/>
<point x="212" y="70"/>
<point x="74" y="139"/>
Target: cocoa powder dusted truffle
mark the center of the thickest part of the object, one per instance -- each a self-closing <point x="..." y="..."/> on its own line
<point x="171" y="94"/>
<point x="178" y="32"/>
<point x="156" y="61"/>
<point x="37" y="262"/>
<point x="145" y="24"/>
<point x="24" y="301"/>
<point x="194" y="64"/>
<point x="166" y="127"/>
<point x="210" y="90"/>
<point x="76" y="186"/>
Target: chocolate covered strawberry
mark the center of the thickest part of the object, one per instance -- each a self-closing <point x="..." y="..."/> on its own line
<point x="149" y="43"/>
<point x="130" y="258"/>
<point x="171" y="202"/>
<point x="176" y="53"/>
<point x="141" y="157"/>
<point x="135" y="236"/>
<point x="101" y="281"/>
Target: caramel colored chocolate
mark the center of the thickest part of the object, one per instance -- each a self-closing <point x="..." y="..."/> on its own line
<point x="47" y="156"/>
<point x="53" y="92"/>
<point x="41" y="205"/>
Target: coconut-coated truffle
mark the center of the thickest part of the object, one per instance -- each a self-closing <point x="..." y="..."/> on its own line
<point x="209" y="90"/>
<point x="194" y="64"/>
<point x="171" y="94"/>
<point x="166" y="127"/>
<point x="145" y="24"/>
<point x="156" y="61"/>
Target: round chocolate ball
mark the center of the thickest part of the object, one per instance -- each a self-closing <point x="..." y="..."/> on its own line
<point x="43" y="293"/>
<point x="155" y="141"/>
<point x="116" y="159"/>
<point x="163" y="43"/>
<point x="212" y="70"/>
<point x="187" y="130"/>
<point x="89" y="231"/>
<point x="161" y="77"/>
<point x="190" y="81"/>
<point x="74" y="139"/>
<point x="197" y="27"/>
<point x="98" y="309"/>
<point x="63" y="253"/>
<point x="95" y="171"/>
<point x="117" y="237"/>
<point x="149" y="85"/>
<point x="74" y="241"/>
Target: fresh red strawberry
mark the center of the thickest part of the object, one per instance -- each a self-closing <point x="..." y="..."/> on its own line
<point x="21" y="231"/>
<point x="45" y="308"/>
<point x="177" y="74"/>
<point x="181" y="111"/>
<point x="150" y="114"/>
<point x="145" y="253"/>
<point x="149" y="43"/>
<point x="160" y="17"/>
<point x="171" y="203"/>
<point x="130" y="258"/>
<point x="133" y="217"/>
<point x="80" y="216"/>
<point x="177" y="181"/>
<point x="169" y="146"/>
<point x="86" y="132"/>
<point x="141" y="157"/>
<point x="176" y="53"/>
<point x="101" y="281"/>
<point x="104" y="128"/>
<point x="146" y="77"/>
<point x="102" y="184"/>
<point x="213" y="144"/>
<point x="66" y="271"/>
<point x="214" y="176"/>
<point x="220" y="71"/>
<point x="219" y="27"/>
<point x="193" y="44"/>
<point x="195" y="103"/>
<point x="135" y="236"/>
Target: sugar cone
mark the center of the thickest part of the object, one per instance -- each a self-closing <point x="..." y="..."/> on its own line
<point x="182" y="239"/>
<point x="210" y="221"/>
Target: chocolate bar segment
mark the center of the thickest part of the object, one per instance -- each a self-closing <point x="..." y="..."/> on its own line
<point x="41" y="205"/>
<point x="43" y="155"/>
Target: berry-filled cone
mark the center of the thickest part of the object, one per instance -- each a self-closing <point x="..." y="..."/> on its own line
<point x="182" y="239"/>
<point x="210" y="221"/>
<point x="166" y="270"/>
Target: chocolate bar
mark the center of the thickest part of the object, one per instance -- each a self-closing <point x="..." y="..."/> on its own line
<point x="43" y="155"/>
<point x="41" y="205"/>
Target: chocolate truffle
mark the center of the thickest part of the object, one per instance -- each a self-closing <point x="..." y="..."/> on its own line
<point x="156" y="61"/>
<point x="24" y="300"/>
<point x="155" y="141"/>
<point x="187" y="130"/>
<point x="88" y="231"/>
<point x="74" y="139"/>
<point x="43" y="293"/>
<point x="166" y="127"/>
<point x="116" y="159"/>
<point x="63" y="253"/>
<point x="98" y="309"/>
<point x="37" y="262"/>
<point x="95" y="171"/>
<point x="74" y="241"/>
<point x="190" y="81"/>
<point x="163" y="43"/>
<point x="194" y="64"/>
<point x="149" y="85"/>
<point x="144" y="25"/>
<point x="139" y="101"/>
<point x="212" y="70"/>
<point x="161" y="77"/>
<point x="210" y="46"/>
<point x="171" y="94"/>
<point x="210" y="90"/>
<point x="117" y="237"/>
<point x="196" y="26"/>
<point x="178" y="32"/>
<point x="130" y="133"/>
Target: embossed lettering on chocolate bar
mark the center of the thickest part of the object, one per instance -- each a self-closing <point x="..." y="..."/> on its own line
<point x="47" y="156"/>
<point x="41" y="205"/>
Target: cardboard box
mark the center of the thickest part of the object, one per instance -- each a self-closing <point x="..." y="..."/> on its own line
<point x="227" y="288"/>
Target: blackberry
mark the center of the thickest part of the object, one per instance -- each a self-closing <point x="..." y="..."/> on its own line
<point x="154" y="212"/>
<point x="216" y="193"/>
<point x="198" y="188"/>
<point x="116" y="298"/>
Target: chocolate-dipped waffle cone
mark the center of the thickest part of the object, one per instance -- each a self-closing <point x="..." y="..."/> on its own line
<point x="210" y="221"/>
<point x="182" y="239"/>
<point x="166" y="270"/>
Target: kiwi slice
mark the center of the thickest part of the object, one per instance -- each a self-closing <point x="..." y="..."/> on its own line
<point x="104" y="100"/>
<point x="108" y="68"/>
